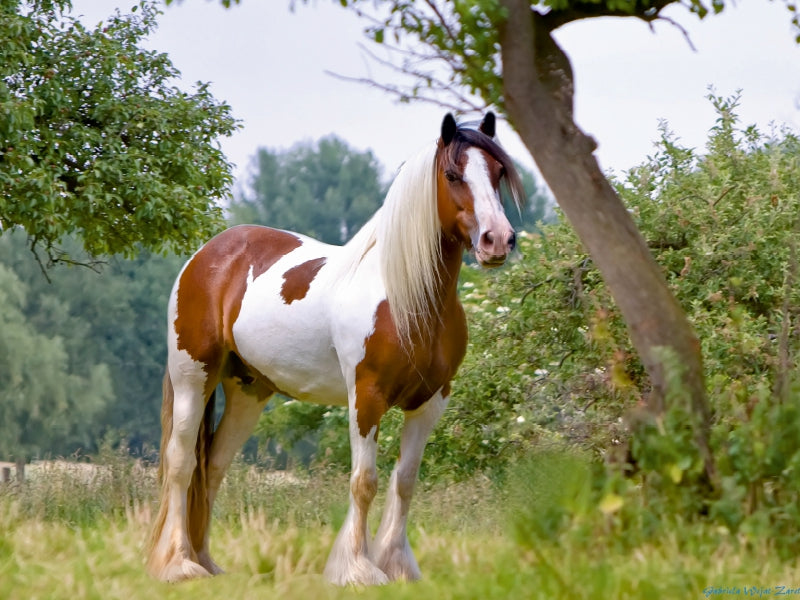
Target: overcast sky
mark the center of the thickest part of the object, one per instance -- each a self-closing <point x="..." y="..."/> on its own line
<point x="269" y="64"/>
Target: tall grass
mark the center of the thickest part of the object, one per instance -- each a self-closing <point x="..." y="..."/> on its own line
<point x="73" y="532"/>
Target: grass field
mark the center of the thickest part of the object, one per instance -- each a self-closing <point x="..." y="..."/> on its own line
<point x="68" y="536"/>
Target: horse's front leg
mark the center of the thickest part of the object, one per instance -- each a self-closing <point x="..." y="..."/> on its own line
<point x="391" y="550"/>
<point x="349" y="561"/>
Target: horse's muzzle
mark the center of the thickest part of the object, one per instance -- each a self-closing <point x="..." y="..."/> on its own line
<point x="493" y="248"/>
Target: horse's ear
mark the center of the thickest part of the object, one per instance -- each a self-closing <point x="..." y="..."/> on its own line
<point x="488" y="124"/>
<point x="449" y="128"/>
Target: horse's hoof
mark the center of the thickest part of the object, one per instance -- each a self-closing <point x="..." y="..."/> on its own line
<point x="209" y="565"/>
<point x="358" y="570"/>
<point x="398" y="563"/>
<point x="181" y="570"/>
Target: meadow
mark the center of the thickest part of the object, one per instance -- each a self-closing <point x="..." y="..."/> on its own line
<point x="72" y="532"/>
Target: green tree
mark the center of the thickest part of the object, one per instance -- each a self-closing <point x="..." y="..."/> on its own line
<point x="326" y="190"/>
<point x="116" y="318"/>
<point x="96" y="140"/>
<point x="44" y="406"/>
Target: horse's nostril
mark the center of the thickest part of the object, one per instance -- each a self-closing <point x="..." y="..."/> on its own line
<point x="512" y="241"/>
<point x="488" y="238"/>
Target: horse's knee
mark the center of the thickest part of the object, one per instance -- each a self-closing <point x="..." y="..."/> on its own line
<point x="364" y="485"/>
<point x="405" y="481"/>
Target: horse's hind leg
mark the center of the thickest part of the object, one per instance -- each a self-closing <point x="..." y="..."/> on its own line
<point x="391" y="550"/>
<point x="172" y="557"/>
<point x="242" y="409"/>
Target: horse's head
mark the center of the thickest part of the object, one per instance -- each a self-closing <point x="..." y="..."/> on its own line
<point x="470" y="169"/>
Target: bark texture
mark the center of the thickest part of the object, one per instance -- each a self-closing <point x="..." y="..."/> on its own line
<point x="538" y="90"/>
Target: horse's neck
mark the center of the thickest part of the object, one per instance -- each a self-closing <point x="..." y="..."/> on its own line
<point x="452" y="259"/>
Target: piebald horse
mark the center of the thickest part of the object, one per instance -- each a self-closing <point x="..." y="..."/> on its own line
<point x="372" y="325"/>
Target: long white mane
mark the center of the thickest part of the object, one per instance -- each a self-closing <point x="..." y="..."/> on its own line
<point x="405" y="232"/>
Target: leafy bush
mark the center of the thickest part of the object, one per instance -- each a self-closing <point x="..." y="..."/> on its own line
<point x="550" y="357"/>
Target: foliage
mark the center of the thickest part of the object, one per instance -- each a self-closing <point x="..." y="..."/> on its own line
<point x="95" y="139"/>
<point x="115" y="320"/>
<point x="325" y="190"/>
<point x="553" y="360"/>
<point x="729" y="247"/>
<point x="45" y="406"/>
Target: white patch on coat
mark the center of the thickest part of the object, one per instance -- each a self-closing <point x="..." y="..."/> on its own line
<point x="319" y="339"/>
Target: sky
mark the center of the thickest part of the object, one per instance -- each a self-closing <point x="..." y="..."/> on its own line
<point x="270" y="64"/>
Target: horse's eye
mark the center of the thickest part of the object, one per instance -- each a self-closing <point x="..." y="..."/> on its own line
<point x="452" y="176"/>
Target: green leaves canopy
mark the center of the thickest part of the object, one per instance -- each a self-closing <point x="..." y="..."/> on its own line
<point x="96" y="140"/>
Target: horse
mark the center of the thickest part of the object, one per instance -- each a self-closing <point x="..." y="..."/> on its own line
<point x="371" y="325"/>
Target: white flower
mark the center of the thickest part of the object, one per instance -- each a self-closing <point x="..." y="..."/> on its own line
<point x="520" y="419"/>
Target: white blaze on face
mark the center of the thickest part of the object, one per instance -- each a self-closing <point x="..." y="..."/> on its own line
<point x="489" y="214"/>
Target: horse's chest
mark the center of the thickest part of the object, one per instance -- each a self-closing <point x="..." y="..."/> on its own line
<point x="408" y="377"/>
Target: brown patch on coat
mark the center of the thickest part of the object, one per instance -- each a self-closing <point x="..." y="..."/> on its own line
<point x="212" y="285"/>
<point x="297" y="280"/>
<point x="391" y="375"/>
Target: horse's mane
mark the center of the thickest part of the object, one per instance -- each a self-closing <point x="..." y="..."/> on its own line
<point x="405" y="232"/>
<point x="409" y="245"/>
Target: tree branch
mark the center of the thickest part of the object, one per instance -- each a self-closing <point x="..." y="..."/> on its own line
<point x="644" y="11"/>
<point x="679" y="27"/>
<point x="405" y="95"/>
<point x="437" y="86"/>
<point x="56" y="256"/>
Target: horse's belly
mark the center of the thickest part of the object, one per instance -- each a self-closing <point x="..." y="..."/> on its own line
<point x="290" y="344"/>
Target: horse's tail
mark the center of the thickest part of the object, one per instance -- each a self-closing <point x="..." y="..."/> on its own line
<point x="197" y="516"/>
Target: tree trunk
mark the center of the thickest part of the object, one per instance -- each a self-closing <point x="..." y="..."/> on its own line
<point x="538" y="85"/>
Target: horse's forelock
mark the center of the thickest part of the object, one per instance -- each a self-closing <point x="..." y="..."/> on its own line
<point x="466" y="138"/>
